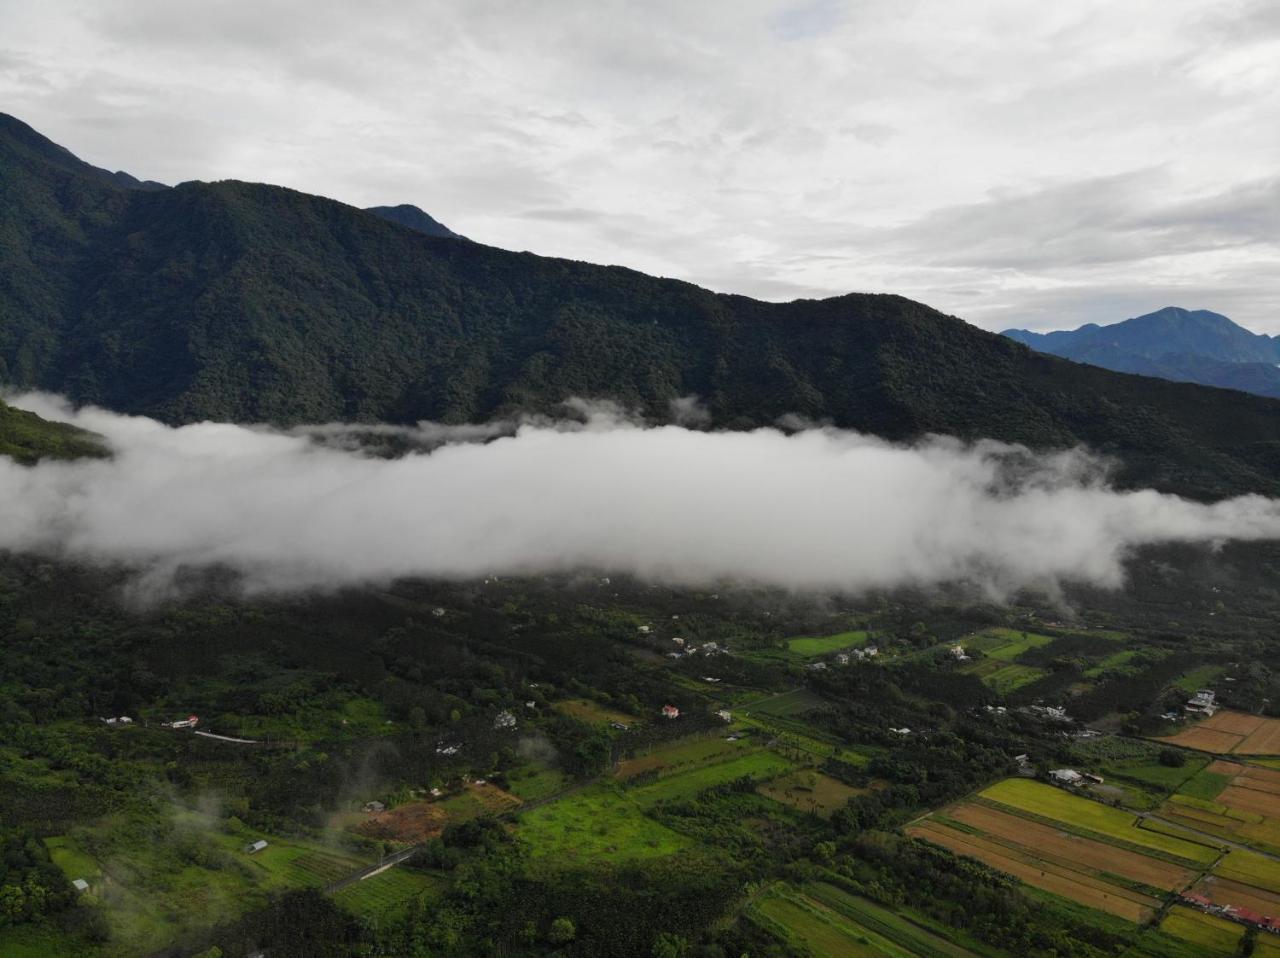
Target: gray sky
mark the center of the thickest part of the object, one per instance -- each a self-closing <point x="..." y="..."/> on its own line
<point x="1013" y="163"/>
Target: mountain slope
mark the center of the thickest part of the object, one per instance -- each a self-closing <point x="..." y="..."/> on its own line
<point x="1172" y="343"/>
<point x="246" y="302"/>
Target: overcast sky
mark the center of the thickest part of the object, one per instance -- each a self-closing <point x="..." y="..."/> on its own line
<point x="1012" y="163"/>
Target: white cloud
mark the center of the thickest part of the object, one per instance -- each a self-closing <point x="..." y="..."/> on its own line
<point x="814" y="509"/>
<point x="771" y="147"/>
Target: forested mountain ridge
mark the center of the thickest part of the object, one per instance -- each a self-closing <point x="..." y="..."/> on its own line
<point x="246" y="302"/>
<point x="1184" y="345"/>
<point x="27" y="438"/>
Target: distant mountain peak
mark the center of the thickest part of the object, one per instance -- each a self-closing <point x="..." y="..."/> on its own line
<point x="1189" y="345"/>
<point x="414" y="218"/>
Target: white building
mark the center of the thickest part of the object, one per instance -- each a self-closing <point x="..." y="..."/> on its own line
<point x="1066" y="776"/>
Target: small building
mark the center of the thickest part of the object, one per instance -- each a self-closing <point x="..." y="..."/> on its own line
<point x="374" y="807"/>
<point x="1203" y="702"/>
<point x="817" y="666"/>
<point x="443" y="749"/>
<point x="677" y="640"/>
<point x="619" y="726"/>
<point x="438" y="612"/>
<point x="724" y="715"/>
<point x="1023" y="760"/>
<point x="191" y="721"/>
<point x="255" y="847"/>
<point x="1066" y="776"/>
<point x="1093" y="779"/>
<point x="79" y="884"/>
<point x="958" y="653"/>
<point x="710" y="678"/>
<point x="670" y="712"/>
<point x="504" y="720"/>
<point x="900" y="731"/>
<point x="842" y="658"/>
<point x="644" y="630"/>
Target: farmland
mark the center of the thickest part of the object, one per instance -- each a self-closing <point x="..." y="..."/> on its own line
<point x="831" y="923"/>
<point x="1233" y="733"/>
<point x="1087" y="817"/>
<point x="1069" y="846"/>
<point x="1238" y="802"/>
<point x="385" y="892"/>
<point x="997" y="665"/>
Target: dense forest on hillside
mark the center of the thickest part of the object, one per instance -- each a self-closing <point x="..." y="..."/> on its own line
<point x="245" y="302"/>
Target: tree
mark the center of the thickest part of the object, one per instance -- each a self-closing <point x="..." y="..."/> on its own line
<point x="562" y="931"/>
<point x="1172" y="758"/>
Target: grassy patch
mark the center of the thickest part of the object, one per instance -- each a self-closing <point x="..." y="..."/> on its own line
<point x="810" y="791"/>
<point x="1205" y="786"/>
<point x="1251" y="869"/>
<point x="812" y="646"/>
<point x="602" y="823"/>
<point x="593" y="713"/>
<point x="1211" y="934"/>
<point x="760" y="764"/>
<point x="386" y="893"/>
<point x="785" y="704"/>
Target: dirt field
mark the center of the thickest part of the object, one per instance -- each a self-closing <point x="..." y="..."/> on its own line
<point x="1264" y="741"/>
<point x="1249" y="799"/>
<point x="1061" y="848"/>
<point x="1263" y="779"/>
<point x="1205" y="739"/>
<point x="412" y="823"/>
<point x="1224" y="891"/>
<point x="1232" y="733"/>
<point x="1076" y="886"/>
<point x="493" y="798"/>
<point x="1238" y="723"/>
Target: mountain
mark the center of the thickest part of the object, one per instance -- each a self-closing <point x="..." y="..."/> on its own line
<point x="413" y="218"/>
<point x="1172" y="343"/>
<point x="247" y="302"/>
<point x="26" y="437"/>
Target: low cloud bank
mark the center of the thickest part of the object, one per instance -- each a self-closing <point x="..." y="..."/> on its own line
<point x="816" y="508"/>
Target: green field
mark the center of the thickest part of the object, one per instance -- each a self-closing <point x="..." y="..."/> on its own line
<point x="812" y="646"/>
<point x="1251" y="869"/>
<point x="1205" y="786"/>
<point x="677" y="786"/>
<point x="1000" y="647"/>
<point x="535" y="782"/>
<point x="785" y="704"/>
<point x="1110" y="662"/>
<point x="1002" y="676"/>
<point x="385" y="893"/>
<point x="1085" y="815"/>
<point x="1199" y="678"/>
<point x="601" y="823"/>
<point x="1209" y="933"/>
<point x="830" y="923"/>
